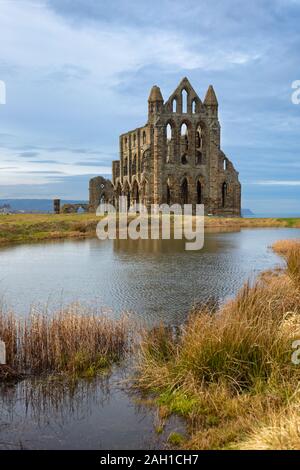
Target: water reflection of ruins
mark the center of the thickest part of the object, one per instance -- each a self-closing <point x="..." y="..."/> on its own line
<point x="152" y="246"/>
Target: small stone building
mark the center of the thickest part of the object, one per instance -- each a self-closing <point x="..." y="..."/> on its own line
<point x="176" y="156"/>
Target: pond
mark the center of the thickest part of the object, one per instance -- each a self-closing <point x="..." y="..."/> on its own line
<point x="96" y="414"/>
<point x="158" y="280"/>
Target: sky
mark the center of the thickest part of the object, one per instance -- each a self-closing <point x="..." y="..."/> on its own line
<point x="78" y="74"/>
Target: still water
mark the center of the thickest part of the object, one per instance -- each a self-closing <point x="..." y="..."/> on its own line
<point x="97" y="414"/>
<point x="158" y="280"/>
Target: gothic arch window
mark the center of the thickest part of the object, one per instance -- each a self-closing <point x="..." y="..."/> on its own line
<point x="135" y="193"/>
<point x="199" y="138"/>
<point x="184" y="98"/>
<point x="199" y="157"/>
<point x="224" y="193"/>
<point x="144" y="192"/>
<point x="184" y="159"/>
<point x="168" y="194"/>
<point x="184" y="137"/>
<point x="174" y="105"/>
<point x="183" y="129"/>
<point x="184" y="189"/>
<point x="130" y="166"/>
<point x="134" y="140"/>
<point x="126" y="193"/>
<point x="199" y="192"/>
<point x="134" y="165"/>
<point x="224" y="164"/>
<point x="169" y="131"/>
<point x="125" y="167"/>
<point x="194" y="107"/>
<point x="145" y="158"/>
<point x="144" y="137"/>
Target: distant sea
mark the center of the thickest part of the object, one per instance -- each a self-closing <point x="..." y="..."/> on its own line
<point x="46" y="205"/>
<point x="277" y="215"/>
<point x="35" y="205"/>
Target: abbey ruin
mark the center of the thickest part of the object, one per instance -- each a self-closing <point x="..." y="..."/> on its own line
<point x="175" y="157"/>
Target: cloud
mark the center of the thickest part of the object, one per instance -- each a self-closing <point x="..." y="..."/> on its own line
<point x="91" y="163"/>
<point x="44" y="162"/>
<point x="78" y="74"/>
<point x="277" y="183"/>
<point x="67" y="73"/>
<point x="28" y="154"/>
<point x="42" y="172"/>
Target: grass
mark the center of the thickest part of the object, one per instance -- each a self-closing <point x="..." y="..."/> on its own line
<point x="24" y="228"/>
<point x="175" y="439"/>
<point x="229" y="372"/>
<point x="71" y="341"/>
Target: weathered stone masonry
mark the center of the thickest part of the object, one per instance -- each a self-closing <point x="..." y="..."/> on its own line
<point x="176" y="157"/>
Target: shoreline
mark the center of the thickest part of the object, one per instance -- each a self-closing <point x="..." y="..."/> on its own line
<point x="27" y="228"/>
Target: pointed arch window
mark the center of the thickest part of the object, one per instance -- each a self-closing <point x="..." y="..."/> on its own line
<point x="174" y="105"/>
<point x="168" y="194"/>
<point x="136" y="193"/>
<point x="199" y="157"/>
<point x="184" y="192"/>
<point x="169" y="131"/>
<point x="194" y="107"/>
<point x="184" y="159"/>
<point x="125" y="166"/>
<point x="199" y="193"/>
<point x="184" y="98"/>
<point x="169" y="142"/>
<point x="224" y="194"/>
<point x="184" y="137"/>
<point x="134" y="165"/>
<point x="199" y="139"/>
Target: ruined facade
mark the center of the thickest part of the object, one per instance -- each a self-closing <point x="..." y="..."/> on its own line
<point x="100" y="190"/>
<point x="176" y="156"/>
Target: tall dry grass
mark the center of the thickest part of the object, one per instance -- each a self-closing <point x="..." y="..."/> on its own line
<point x="71" y="340"/>
<point x="226" y="371"/>
<point x="290" y="250"/>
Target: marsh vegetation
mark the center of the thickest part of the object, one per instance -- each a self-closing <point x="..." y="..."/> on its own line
<point x="229" y="370"/>
<point x="73" y="341"/>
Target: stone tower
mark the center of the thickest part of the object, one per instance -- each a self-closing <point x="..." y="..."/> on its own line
<point x="176" y="157"/>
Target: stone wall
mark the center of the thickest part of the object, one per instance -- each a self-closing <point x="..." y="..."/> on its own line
<point x="74" y="208"/>
<point x="176" y="157"/>
<point x="100" y="190"/>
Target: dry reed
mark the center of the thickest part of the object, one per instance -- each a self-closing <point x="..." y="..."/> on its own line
<point x="71" y="340"/>
<point x="227" y="371"/>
